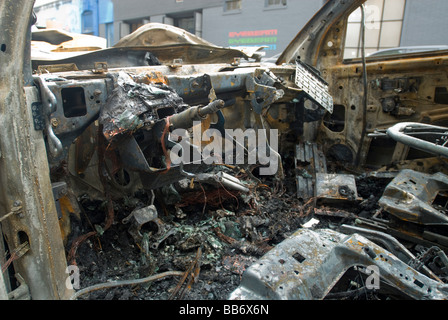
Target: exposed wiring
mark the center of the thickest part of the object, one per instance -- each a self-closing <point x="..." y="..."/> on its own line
<point x="281" y="173"/>
<point x="122" y="283"/>
<point x="16" y="254"/>
<point x="6" y="216"/>
<point x="14" y="210"/>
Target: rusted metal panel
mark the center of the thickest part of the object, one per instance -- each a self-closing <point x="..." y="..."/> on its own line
<point x="309" y="161"/>
<point x="308" y="264"/>
<point x="334" y="187"/>
<point x="410" y="197"/>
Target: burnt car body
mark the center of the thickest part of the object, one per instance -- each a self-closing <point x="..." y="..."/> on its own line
<point x="100" y="124"/>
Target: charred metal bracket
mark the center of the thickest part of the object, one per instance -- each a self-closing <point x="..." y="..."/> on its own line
<point x="219" y="125"/>
<point x="59" y="190"/>
<point x="309" y="160"/>
<point x="78" y="103"/>
<point x="406" y="232"/>
<point x="192" y="89"/>
<point x="100" y="67"/>
<point x="15" y="210"/>
<point x="314" y="86"/>
<point x="132" y="156"/>
<point x="309" y="263"/>
<point x="236" y="62"/>
<point x="162" y="236"/>
<point x="152" y="178"/>
<point x="336" y="187"/>
<point x="385" y="240"/>
<point x="410" y="197"/>
<point x="38" y="117"/>
<point x="261" y="92"/>
<point x="49" y="105"/>
<point x="399" y="85"/>
<point x="177" y="63"/>
<point x="391" y="244"/>
<point x="436" y="260"/>
<point x="163" y="177"/>
<point x="393" y="106"/>
<point x="138" y="218"/>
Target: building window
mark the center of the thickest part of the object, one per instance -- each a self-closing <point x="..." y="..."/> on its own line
<point x="233" y="5"/>
<point x="383" y="26"/>
<point x="135" y="24"/>
<point x="109" y="34"/>
<point x="187" y="23"/>
<point x="87" y="22"/>
<point x="275" y="3"/>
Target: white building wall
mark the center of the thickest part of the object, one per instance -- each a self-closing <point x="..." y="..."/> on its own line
<point x="60" y="14"/>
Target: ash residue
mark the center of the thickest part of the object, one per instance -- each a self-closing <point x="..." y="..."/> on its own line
<point x="231" y="231"/>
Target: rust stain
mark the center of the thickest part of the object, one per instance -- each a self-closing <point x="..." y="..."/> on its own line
<point x="152" y="77"/>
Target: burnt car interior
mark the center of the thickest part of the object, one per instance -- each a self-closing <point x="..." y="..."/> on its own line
<point x="93" y="206"/>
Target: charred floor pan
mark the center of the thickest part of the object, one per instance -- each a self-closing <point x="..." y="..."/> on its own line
<point x="258" y="246"/>
<point x="307" y="265"/>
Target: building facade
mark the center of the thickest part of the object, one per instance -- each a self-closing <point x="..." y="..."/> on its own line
<point x="227" y="23"/>
<point x="274" y="23"/>
<point x="94" y="17"/>
<point x="269" y="23"/>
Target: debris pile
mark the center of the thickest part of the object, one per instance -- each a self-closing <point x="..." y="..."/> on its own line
<point x="214" y="237"/>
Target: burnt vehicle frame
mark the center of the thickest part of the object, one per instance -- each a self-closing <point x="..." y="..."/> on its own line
<point x="51" y="126"/>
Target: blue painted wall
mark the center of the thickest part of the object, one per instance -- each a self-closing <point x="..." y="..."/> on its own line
<point x="97" y="17"/>
<point x="106" y="11"/>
